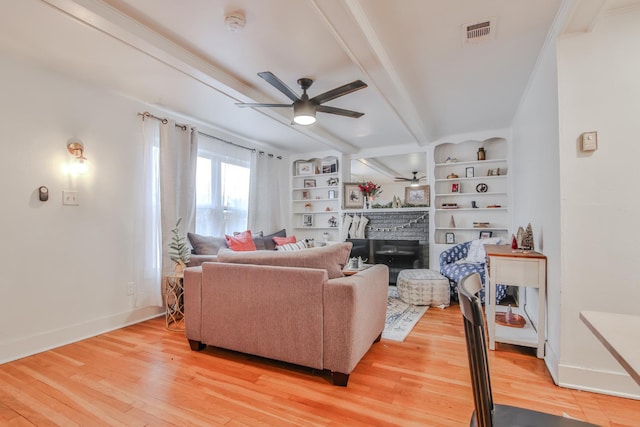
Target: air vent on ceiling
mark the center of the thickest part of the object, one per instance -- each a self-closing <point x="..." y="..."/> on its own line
<point x="479" y="31"/>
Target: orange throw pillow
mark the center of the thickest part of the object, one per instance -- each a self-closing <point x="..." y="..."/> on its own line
<point x="284" y="240"/>
<point x="241" y="242"/>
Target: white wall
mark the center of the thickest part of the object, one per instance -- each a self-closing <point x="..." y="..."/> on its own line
<point x="65" y="269"/>
<point x="599" y="90"/>
<point x="536" y="191"/>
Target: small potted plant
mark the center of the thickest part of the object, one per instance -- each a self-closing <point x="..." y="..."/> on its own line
<point x="178" y="249"/>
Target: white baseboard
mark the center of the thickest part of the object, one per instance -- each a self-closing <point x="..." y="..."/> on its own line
<point x="28" y="346"/>
<point x="597" y="381"/>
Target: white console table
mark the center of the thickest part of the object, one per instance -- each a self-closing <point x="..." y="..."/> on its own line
<point x="516" y="268"/>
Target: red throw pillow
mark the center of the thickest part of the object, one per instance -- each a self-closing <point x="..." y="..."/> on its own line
<point x="284" y="240"/>
<point x="241" y="242"/>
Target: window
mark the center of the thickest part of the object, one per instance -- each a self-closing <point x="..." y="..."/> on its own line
<point x="222" y="188"/>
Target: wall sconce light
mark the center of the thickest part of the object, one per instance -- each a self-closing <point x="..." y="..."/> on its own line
<point x="79" y="164"/>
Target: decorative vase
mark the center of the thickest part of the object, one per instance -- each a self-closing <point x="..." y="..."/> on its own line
<point x="370" y="199"/>
<point x="179" y="268"/>
<point x="481" y="153"/>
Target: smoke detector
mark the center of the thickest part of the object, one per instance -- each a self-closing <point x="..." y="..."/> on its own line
<point x="235" y="21"/>
<point x="479" y="31"/>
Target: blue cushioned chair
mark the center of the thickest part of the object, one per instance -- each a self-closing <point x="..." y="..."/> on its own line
<point x="455" y="272"/>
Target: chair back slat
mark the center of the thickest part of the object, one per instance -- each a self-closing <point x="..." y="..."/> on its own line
<point x="474" y="332"/>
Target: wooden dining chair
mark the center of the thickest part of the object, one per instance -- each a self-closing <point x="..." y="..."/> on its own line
<point x="488" y="414"/>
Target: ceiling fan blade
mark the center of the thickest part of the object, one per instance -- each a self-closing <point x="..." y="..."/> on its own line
<point x="278" y="84"/>
<point x="339" y="91"/>
<point x="399" y="178"/>
<point x="240" y="104"/>
<point x="339" y="111"/>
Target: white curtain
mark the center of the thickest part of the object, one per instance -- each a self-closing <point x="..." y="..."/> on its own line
<point x="146" y="245"/>
<point x="223" y="182"/>
<point x="265" y="210"/>
<point x="178" y="157"/>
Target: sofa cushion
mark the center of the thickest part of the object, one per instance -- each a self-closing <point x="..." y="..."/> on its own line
<point x="331" y="258"/>
<point x="292" y="246"/>
<point x="284" y="240"/>
<point x="266" y="242"/>
<point x="241" y="242"/>
<point x="206" y="245"/>
<point x="476" y="249"/>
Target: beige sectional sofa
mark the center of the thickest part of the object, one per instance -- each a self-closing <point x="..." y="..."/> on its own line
<point x="290" y="306"/>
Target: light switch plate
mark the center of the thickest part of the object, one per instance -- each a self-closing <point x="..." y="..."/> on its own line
<point x="70" y="198"/>
<point x="590" y="141"/>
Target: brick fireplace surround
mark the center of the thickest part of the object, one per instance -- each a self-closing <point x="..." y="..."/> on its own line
<point x="400" y="227"/>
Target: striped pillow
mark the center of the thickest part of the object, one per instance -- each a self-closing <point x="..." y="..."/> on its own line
<point x="288" y="247"/>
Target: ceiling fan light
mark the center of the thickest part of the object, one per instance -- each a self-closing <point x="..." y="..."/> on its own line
<point x="304" y="113"/>
<point x="414" y="182"/>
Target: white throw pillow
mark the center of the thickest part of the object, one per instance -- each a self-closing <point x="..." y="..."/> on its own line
<point x="477" y="253"/>
<point x="292" y="246"/>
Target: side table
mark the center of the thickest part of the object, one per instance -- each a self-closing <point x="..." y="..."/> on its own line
<point x="174" y="302"/>
<point x="516" y="268"/>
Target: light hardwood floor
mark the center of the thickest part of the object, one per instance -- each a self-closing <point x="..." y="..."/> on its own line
<point x="145" y="375"/>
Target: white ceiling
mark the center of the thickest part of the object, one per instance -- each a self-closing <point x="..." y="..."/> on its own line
<point x="424" y="82"/>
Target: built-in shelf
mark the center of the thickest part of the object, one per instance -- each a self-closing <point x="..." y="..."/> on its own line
<point x="492" y="172"/>
<point x="472" y="194"/>
<point x="416" y="209"/>
<point x="470" y="209"/>
<point x="470" y="162"/>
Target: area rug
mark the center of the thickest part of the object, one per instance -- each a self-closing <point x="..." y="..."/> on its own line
<point x="401" y="317"/>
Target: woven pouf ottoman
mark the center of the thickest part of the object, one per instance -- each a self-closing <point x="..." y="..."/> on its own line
<point x="423" y="287"/>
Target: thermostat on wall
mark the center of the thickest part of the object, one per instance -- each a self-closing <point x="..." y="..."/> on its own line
<point x="590" y="141"/>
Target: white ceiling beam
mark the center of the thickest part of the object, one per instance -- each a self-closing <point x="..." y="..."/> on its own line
<point x="110" y="21"/>
<point x="363" y="46"/>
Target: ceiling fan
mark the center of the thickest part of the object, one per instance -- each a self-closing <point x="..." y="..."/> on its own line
<point x="304" y="109"/>
<point x="415" y="181"/>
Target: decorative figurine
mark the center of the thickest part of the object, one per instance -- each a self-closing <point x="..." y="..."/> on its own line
<point x="514" y="242"/>
<point x="474" y="205"/>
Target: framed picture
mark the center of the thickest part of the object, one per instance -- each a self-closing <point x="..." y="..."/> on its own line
<point x="417" y="196"/>
<point x="307" y="220"/>
<point x="469" y="172"/>
<point x="305" y="168"/>
<point x="353" y="197"/>
<point x="449" y="238"/>
<point x="306" y="195"/>
<point x="332" y="194"/>
<point x="493" y="172"/>
<point x="309" y="183"/>
<point x="485" y="234"/>
<point x="455" y="187"/>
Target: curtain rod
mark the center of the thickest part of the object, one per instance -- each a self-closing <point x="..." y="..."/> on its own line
<point x="184" y="127"/>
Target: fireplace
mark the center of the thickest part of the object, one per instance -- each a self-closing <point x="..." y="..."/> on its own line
<point x="396" y="254"/>
<point x="399" y="239"/>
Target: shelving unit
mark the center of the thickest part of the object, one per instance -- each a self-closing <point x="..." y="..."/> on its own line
<point x="483" y="183"/>
<point x="315" y="197"/>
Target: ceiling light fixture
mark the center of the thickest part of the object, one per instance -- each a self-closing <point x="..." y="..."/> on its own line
<point x="79" y="163"/>
<point x="304" y="113"/>
<point x="415" y="182"/>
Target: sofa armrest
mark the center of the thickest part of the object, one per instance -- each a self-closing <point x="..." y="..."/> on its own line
<point x="453" y="254"/>
<point x="354" y="316"/>
<point x="197" y="260"/>
<point x="192" y="286"/>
